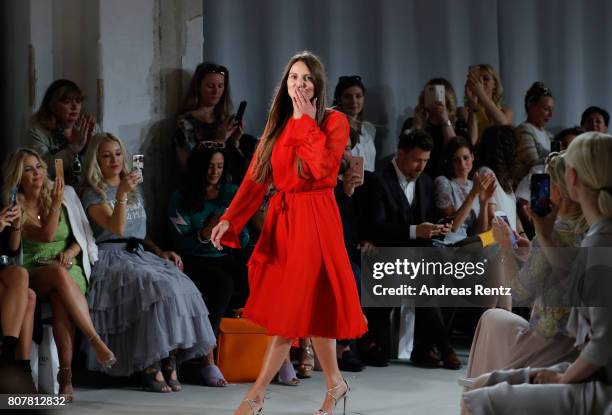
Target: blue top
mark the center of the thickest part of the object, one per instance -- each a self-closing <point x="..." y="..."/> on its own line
<point x="187" y="223"/>
<point x="136" y="225"/>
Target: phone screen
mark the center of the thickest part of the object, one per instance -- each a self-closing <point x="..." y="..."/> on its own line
<point x="13" y="199"/>
<point x="540" y="194"/>
<point x="138" y="165"/>
<point x="502" y="215"/>
<point x="555" y="146"/>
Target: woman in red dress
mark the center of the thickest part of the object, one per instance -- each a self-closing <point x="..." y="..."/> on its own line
<point x="301" y="283"/>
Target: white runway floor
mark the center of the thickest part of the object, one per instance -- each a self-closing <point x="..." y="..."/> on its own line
<point x="399" y="389"/>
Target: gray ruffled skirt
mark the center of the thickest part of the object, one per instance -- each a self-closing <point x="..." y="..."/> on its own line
<point x="143" y="307"/>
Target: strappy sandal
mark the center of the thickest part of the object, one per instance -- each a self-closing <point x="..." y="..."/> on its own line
<point x="211" y="376"/>
<point x="106" y="359"/>
<point x="168" y="365"/>
<point x="150" y="383"/>
<point x="64" y="378"/>
<point x="286" y="375"/>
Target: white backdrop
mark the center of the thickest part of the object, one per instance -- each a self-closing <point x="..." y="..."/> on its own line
<point x="397" y="45"/>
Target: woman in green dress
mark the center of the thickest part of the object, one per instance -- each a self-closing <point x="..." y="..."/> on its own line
<point x="58" y="251"/>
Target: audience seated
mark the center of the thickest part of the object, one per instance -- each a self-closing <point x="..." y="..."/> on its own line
<point x="17" y="304"/>
<point x="583" y="386"/>
<point x="194" y="211"/>
<point x="58" y="251"/>
<point x="496" y="154"/>
<point x="566" y="136"/>
<point x="60" y="131"/>
<point x="460" y="199"/>
<point x="532" y="138"/>
<point x="349" y="97"/>
<point x="595" y="119"/>
<point x="483" y="96"/>
<point x="504" y="340"/>
<point x="439" y="120"/>
<point x="348" y="181"/>
<point x="400" y="214"/>
<point x="144" y="307"/>
<point x="205" y="115"/>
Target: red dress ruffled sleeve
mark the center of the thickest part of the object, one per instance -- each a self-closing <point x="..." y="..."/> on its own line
<point x="320" y="148"/>
<point x="248" y="199"/>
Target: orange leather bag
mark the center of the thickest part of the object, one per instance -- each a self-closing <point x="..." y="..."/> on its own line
<point x="240" y="349"/>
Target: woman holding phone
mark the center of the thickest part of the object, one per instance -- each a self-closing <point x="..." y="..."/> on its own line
<point x="301" y="283"/>
<point x="143" y="305"/>
<point x="58" y="252"/>
<point x="17" y="301"/>
<point x="206" y="116"/>
<point x="483" y="95"/>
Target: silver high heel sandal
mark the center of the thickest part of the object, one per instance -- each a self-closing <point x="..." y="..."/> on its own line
<point x="253" y="404"/>
<point x="344" y="397"/>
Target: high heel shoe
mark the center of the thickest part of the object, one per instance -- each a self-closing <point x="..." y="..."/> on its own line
<point x="64" y="378"/>
<point x="107" y="361"/>
<point x="344" y="397"/>
<point x="253" y="404"/>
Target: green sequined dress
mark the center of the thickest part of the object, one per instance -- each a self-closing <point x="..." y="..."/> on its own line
<point x="34" y="251"/>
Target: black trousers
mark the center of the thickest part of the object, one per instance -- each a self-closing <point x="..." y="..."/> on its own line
<point x="216" y="278"/>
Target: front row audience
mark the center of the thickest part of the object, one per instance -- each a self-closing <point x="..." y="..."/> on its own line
<point x="143" y="315"/>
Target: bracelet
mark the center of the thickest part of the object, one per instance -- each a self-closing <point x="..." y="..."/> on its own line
<point x="54" y="210"/>
<point x="122" y="201"/>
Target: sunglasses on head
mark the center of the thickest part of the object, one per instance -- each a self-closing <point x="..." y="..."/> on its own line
<point x="356" y="78"/>
<point x="212" y="68"/>
<point x="217" y="145"/>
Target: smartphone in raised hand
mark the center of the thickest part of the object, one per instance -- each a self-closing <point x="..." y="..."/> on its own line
<point x="433" y="94"/>
<point x="503" y="216"/>
<point x="138" y="165"/>
<point x="240" y="112"/>
<point x="59" y="168"/>
<point x="357" y="166"/>
<point x="540" y="194"/>
<point x="13" y="198"/>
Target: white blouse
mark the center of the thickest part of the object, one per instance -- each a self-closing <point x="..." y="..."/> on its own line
<point x="365" y="147"/>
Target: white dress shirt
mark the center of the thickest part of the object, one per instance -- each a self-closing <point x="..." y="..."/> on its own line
<point x="408" y="187"/>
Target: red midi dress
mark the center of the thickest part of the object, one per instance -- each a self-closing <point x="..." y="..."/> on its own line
<point x="300" y="279"/>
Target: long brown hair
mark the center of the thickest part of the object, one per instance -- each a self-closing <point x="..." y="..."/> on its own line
<point x="281" y="110"/>
<point x="192" y="98"/>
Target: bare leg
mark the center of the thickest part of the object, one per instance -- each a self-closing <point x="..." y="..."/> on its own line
<point x="326" y="351"/>
<point x="63" y="333"/>
<point x="27" y="326"/>
<point x="56" y="280"/>
<point x="13" y="298"/>
<point x="276" y="352"/>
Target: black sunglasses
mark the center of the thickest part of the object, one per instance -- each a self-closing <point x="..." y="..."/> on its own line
<point x="356" y="78"/>
<point x="217" y="145"/>
<point x="212" y="68"/>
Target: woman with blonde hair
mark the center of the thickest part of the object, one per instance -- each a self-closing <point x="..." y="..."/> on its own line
<point x="583" y="386"/>
<point x="58" y="251"/>
<point x="141" y="303"/>
<point x="301" y="282"/>
<point x="483" y="95"/>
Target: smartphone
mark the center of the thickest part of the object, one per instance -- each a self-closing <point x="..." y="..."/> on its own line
<point x="540" y="194"/>
<point x="357" y="166"/>
<point x="433" y="94"/>
<point x="59" y="168"/>
<point x="13" y="198"/>
<point x="240" y="113"/>
<point x="138" y="165"/>
<point x="445" y="221"/>
<point x="502" y="215"/>
<point x="555" y="146"/>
